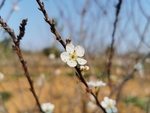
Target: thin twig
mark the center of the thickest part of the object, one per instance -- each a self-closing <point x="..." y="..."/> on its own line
<point x="16" y="47"/>
<point x="120" y="86"/>
<point x="58" y="37"/>
<point x="112" y="44"/>
<point x="2" y="4"/>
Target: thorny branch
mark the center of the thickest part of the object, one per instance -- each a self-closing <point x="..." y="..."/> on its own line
<point x="118" y="7"/>
<point x="16" y="47"/>
<point x="58" y="37"/>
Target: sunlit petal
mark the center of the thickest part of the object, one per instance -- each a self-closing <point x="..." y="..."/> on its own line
<point x="112" y="102"/>
<point x="71" y="63"/>
<point x="79" y="51"/>
<point x="70" y="48"/>
<point x="81" y="61"/>
<point x="64" y="56"/>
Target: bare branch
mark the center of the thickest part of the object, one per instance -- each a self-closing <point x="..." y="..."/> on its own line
<point x="18" y="51"/>
<point x="2" y="4"/>
<point x="112" y="44"/>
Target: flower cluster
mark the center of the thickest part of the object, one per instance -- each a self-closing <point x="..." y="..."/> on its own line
<point x="73" y="55"/>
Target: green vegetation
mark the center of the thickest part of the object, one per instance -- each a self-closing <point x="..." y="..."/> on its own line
<point x="51" y="50"/>
<point x="5" y="95"/>
<point x="136" y="101"/>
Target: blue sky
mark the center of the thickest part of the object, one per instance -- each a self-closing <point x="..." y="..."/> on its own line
<point x="38" y="35"/>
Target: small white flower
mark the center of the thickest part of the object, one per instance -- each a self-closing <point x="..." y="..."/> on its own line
<point x="84" y="68"/>
<point x="109" y="105"/>
<point x="92" y="98"/>
<point x="1" y="76"/>
<point x="73" y="54"/>
<point x="138" y="66"/>
<point x="47" y="107"/>
<point x="91" y="105"/>
<point x="16" y="8"/>
<point x="41" y="80"/>
<point x="57" y="72"/>
<point x="51" y="56"/>
<point x="96" y="84"/>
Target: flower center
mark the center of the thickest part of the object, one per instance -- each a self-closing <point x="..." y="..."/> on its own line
<point x="109" y="106"/>
<point x="73" y="56"/>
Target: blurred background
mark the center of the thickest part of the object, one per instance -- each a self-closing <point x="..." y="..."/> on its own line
<point x="114" y="45"/>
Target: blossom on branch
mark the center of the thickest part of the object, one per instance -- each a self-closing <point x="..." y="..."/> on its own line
<point x="73" y="55"/>
<point x="96" y="84"/>
<point x="109" y="105"/>
<point x="47" y="107"/>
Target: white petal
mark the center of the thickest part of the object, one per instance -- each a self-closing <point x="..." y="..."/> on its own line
<point x="64" y="56"/>
<point x="100" y="83"/>
<point x="91" y="83"/>
<point x="112" y="102"/>
<point x="1" y="75"/>
<point x="106" y="99"/>
<point x="103" y="103"/>
<point x="71" y="63"/>
<point x="108" y="110"/>
<point x="81" y="61"/>
<point x="79" y="51"/>
<point x="114" y="109"/>
<point x="70" y="48"/>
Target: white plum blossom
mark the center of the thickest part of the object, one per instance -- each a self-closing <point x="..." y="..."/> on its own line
<point x="91" y="105"/>
<point x="48" y="107"/>
<point x="73" y="55"/>
<point x="109" y="105"/>
<point x="57" y="72"/>
<point x="92" y="98"/>
<point x="51" y="56"/>
<point x="41" y="80"/>
<point x="138" y="66"/>
<point x="96" y="83"/>
<point x="1" y="76"/>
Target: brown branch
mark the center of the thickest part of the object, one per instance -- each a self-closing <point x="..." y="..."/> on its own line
<point x="58" y="37"/>
<point x="16" y="47"/>
<point x="112" y="44"/>
<point x="22" y="30"/>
